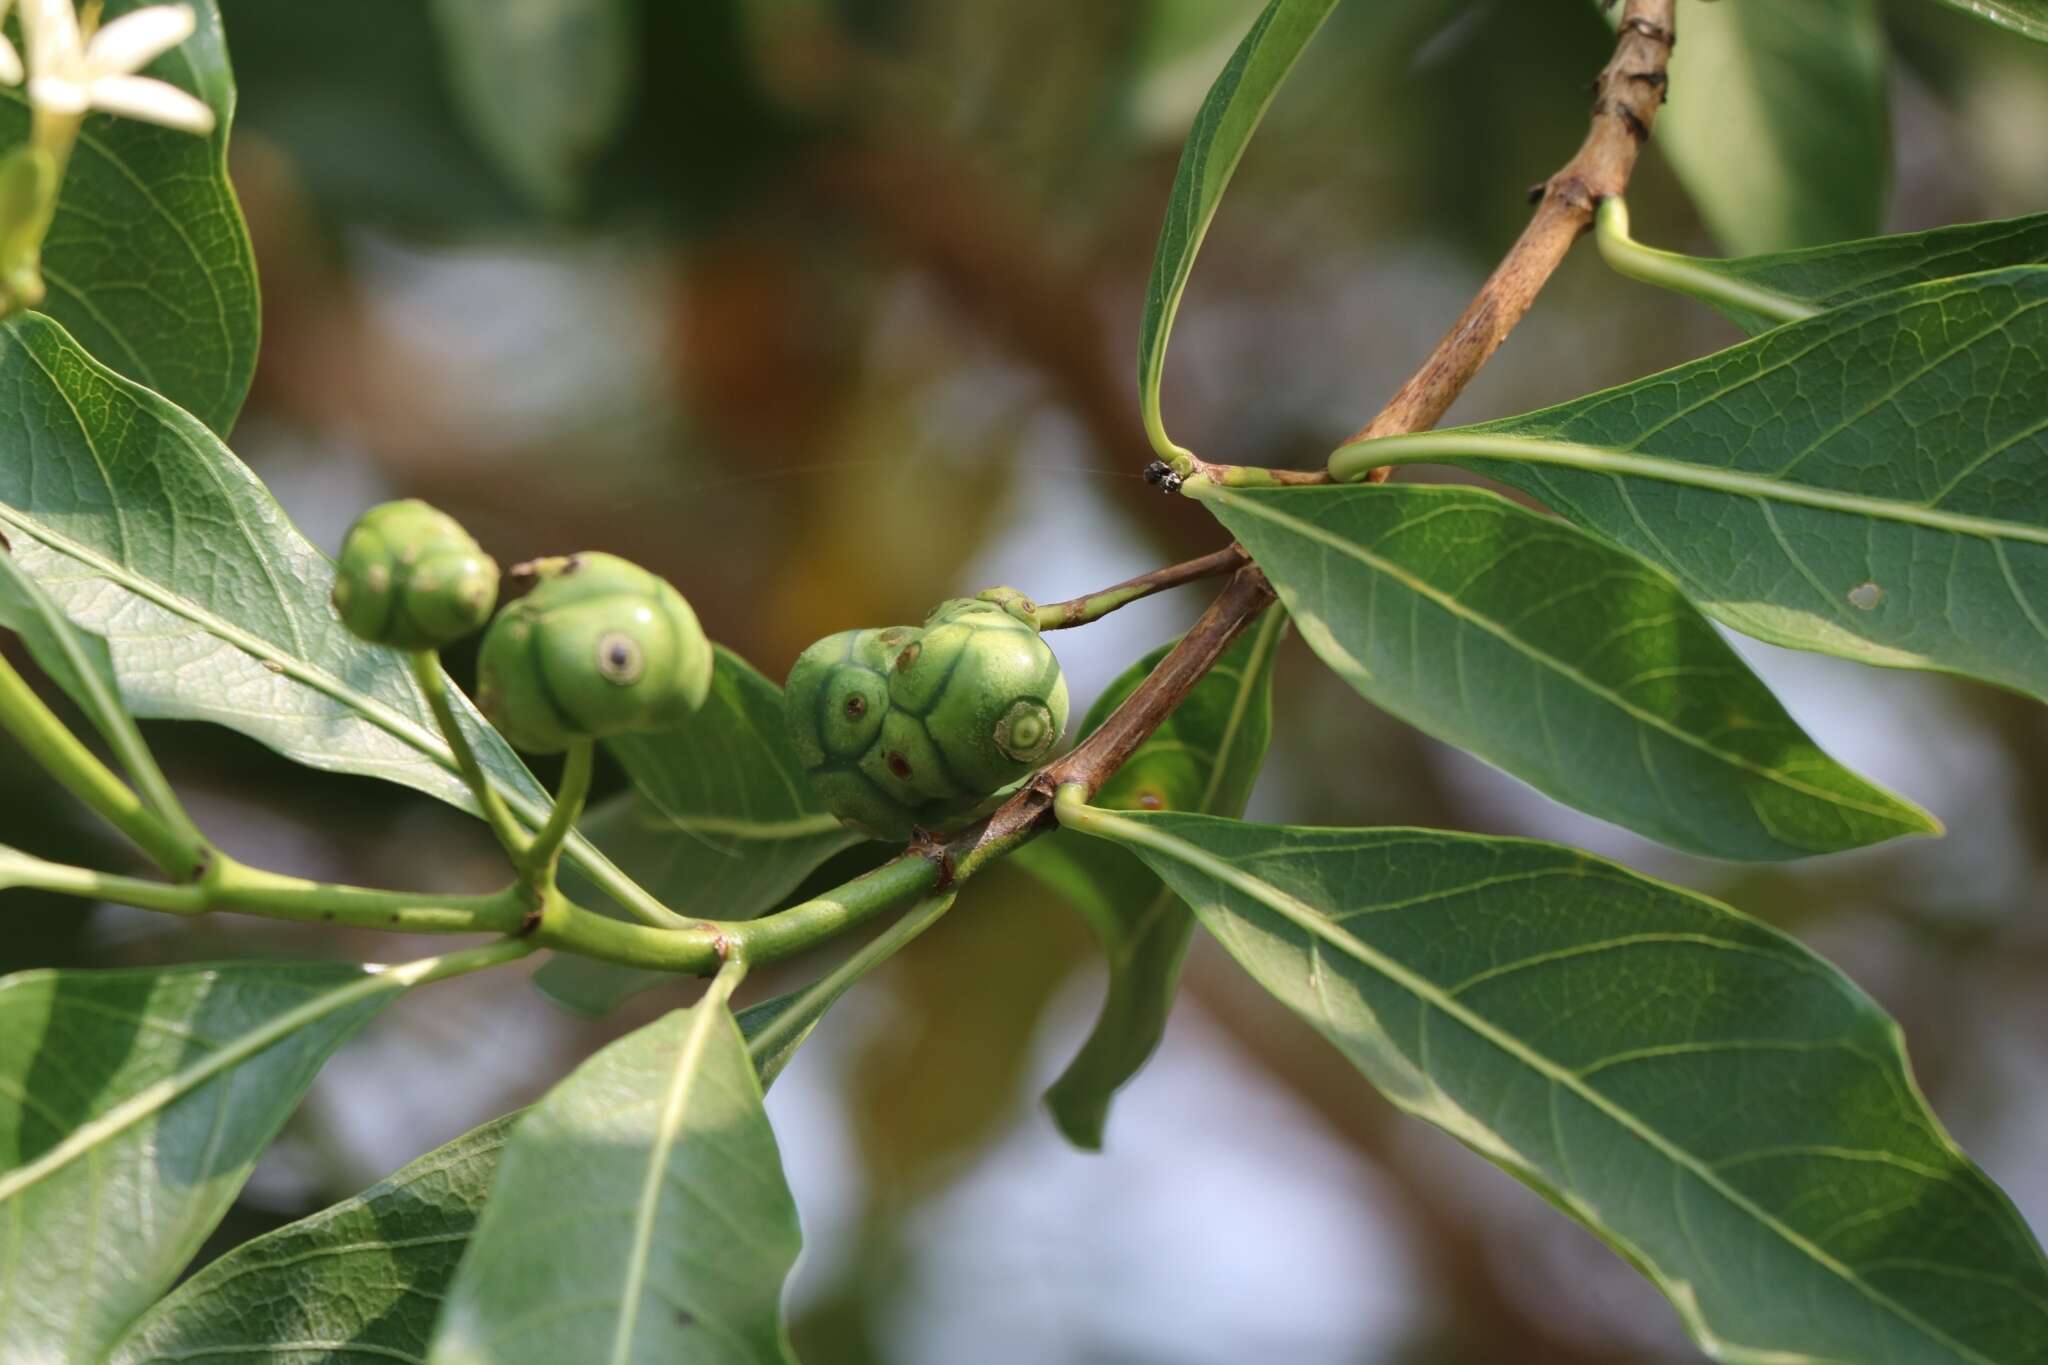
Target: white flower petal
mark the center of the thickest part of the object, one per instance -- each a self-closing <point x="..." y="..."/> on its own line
<point x="51" y="28"/>
<point x="152" y="102"/>
<point x="10" y="60"/>
<point x="134" y="40"/>
<point x="58" y="94"/>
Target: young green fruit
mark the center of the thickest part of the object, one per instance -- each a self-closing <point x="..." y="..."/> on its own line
<point x="412" y="578"/>
<point x="600" y="647"/>
<point x="910" y="728"/>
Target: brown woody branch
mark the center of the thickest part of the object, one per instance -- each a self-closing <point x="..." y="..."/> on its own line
<point x="1629" y="93"/>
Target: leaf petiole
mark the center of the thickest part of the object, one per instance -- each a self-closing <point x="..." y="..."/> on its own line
<point x="175" y="847"/>
<point x="1684" y="274"/>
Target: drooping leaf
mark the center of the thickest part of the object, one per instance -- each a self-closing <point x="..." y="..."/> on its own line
<point x="1845" y="272"/>
<point x="147" y="261"/>
<point x="640" y="1215"/>
<point x="544" y="84"/>
<point x="1778" y="122"/>
<point x="133" y="1105"/>
<point x="723" y="820"/>
<point x="1557" y="658"/>
<point x="153" y="536"/>
<point x="1205" y="758"/>
<point x="1223" y="128"/>
<point x="1872" y="482"/>
<point x="2028" y="17"/>
<point x="361" y="1280"/>
<point x="1564" y="1018"/>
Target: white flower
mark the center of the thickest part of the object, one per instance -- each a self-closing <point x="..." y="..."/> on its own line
<point x="10" y="60"/>
<point x="69" y="75"/>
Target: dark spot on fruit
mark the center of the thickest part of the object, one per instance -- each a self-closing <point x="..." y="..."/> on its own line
<point x="856" y="707"/>
<point x="900" y="766"/>
<point x="908" y="657"/>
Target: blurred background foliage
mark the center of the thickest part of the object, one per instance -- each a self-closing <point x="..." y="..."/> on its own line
<point x="825" y="309"/>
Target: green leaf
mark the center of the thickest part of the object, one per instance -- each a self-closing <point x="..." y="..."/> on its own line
<point x="1872" y="482"/>
<point x="152" y="535"/>
<point x="2028" y="17"/>
<point x="147" y="261"/>
<point x="1846" y="272"/>
<point x="361" y="1280"/>
<point x="1778" y="122"/>
<point x="724" y="820"/>
<point x="132" y="1106"/>
<point x="1566" y="1018"/>
<point x="1206" y="757"/>
<point x="543" y="84"/>
<point x="1223" y="128"/>
<point x="640" y="1214"/>
<point x="1557" y="658"/>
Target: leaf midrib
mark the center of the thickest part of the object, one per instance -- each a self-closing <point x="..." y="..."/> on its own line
<point x="153" y="1099"/>
<point x="1313" y="922"/>
<point x="1459" y="609"/>
<point x="1602" y="459"/>
<point x="668" y="1130"/>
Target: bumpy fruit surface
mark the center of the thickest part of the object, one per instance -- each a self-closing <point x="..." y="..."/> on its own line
<point x="908" y="728"/>
<point x="411" y="577"/>
<point x="600" y="647"/>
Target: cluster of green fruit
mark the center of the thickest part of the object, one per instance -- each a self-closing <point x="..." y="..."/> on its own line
<point x="901" y="729"/>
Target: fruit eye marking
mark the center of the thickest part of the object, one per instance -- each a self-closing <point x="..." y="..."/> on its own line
<point x="856" y="707"/>
<point x="619" y="659"/>
<point x="900" y="766"/>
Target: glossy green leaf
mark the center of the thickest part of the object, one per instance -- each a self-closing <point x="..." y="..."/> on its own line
<point x="147" y="261"/>
<point x="153" y="536"/>
<point x="362" y="1280"/>
<point x="1564" y="1017"/>
<point x="1778" y="122"/>
<point x="1557" y="658"/>
<point x="640" y="1215"/>
<point x="1223" y="128"/>
<point x="543" y="84"/>
<point x="1872" y="482"/>
<point x="133" y="1105"/>
<point x="723" y="821"/>
<point x="1206" y="757"/>
<point x="2028" y="17"/>
<point x="1846" y="272"/>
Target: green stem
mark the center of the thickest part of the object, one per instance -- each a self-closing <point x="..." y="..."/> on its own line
<point x="426" y="667"/>
<point x="1686" y="274"/>
<point x="230" y="885"/>
<point x="52" y="745"/>
<point x="545" y="919"/>
<point x="788" y="1029"/>
<point x="511" y="833"/>
<point x="788" y="932"/>
<point x="540" y="859"/>
<point x="1091" y="607"/>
